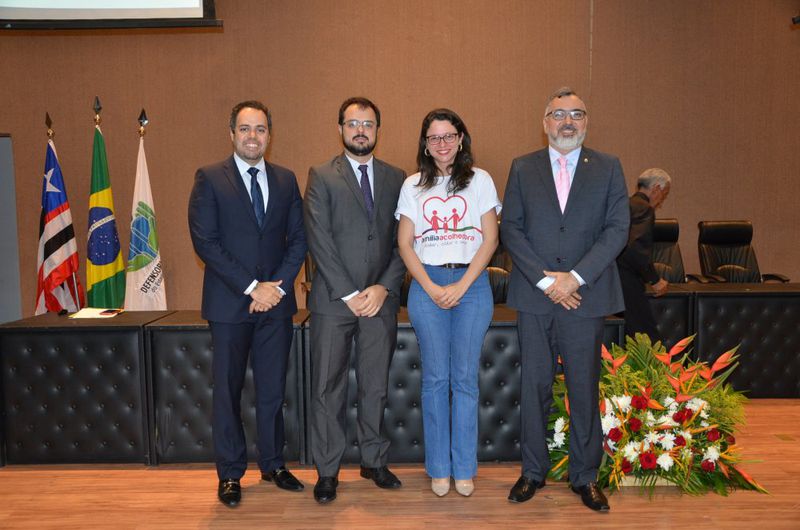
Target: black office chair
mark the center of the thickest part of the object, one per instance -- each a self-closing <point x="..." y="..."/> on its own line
<point x="667" y="257"/>
<point x="724" y="249"/>
<point x="501" y="258"/>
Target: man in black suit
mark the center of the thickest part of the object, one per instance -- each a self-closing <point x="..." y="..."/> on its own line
<point x="635" y="263"/>
<point x="352" y="235"/>
<point x="246" y="222"/>
<point x="565" y="220"/>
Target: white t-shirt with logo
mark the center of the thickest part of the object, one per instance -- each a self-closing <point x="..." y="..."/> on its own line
<point x="447" y="228"/>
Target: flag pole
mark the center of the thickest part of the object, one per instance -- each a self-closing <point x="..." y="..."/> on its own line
<point x="97" y="108"/>
<point x="143" y="121"/>
<point x="49" y="123"/>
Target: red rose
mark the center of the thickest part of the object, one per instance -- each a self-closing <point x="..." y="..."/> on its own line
<point x="713" y="435"/>
<point x="708" y="466"/>
<point x="678" y="417"/>
<point x="615" y="434"/>
<point x="730" y="439"/>
<point x="680" y="441"/>
<point x="625" y="466"/>
<point x="639" y="402"/>
<point x="688" y="413"/>
<point x="647" y="460"/>
<point x="635" y="424"/>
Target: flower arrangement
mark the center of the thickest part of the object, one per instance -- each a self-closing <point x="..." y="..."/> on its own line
<point x="664" y="417"/>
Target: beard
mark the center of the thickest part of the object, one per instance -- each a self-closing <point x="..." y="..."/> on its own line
<point x="567" y="143"/>
<point x="356" y="149"/>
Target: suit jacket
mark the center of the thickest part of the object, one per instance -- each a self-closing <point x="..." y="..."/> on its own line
<point x="636" y="258"/>
<point x="235" y="250"/>
<point x="350" y="250"/>
<point x="587" y="237"/>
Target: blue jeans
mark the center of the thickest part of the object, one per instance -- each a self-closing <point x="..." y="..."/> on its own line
<point x="450" y="342"/>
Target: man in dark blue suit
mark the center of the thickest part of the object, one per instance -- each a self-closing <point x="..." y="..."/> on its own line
<point x="246" y="221"/>
<point x="565" y="220"/>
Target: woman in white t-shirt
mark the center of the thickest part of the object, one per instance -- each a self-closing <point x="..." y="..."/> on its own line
<point x="446" y="236"/>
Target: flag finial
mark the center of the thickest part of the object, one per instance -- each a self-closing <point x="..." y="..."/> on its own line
<point x="49" y="123"/>
<point x="97" y="108"/>
<point x="143" y="121"/>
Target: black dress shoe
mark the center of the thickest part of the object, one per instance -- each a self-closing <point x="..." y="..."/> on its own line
<point x="229" y="492"/>
<point x="524" y="489"/>
<point x="325" y="490"/>
<point x="283" y="479"/>
<point x="382" y="477"/>
<point x="592" y="496"/>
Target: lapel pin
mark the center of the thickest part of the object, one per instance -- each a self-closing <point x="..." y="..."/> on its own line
<point x="585" y="160"/>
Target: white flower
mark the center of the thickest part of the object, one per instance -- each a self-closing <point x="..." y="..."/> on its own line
<point x="686" y="436"/>
<point x="712" y="454"/>
<point x="650" y="420"/>
<point x="667" y="441"/>
<point x="612" y="446"/>
<point x="559" y="425"/>
<point x="704" y="423"/>
<point x="607" y="405"/>
<point x="652" y="437"/>
<point x="559" y="438"/>
<point x="631" y="451"/>
<point x="665" y="461"/>
<point x="696" y="404"/>
<point x="608" y="422"/>
<point x="670" y="403"/>
<point x="666" y="419"/>
<point x="622" y="403"/>
<point x="686" y="454"/>
<point x="704" y="414"/>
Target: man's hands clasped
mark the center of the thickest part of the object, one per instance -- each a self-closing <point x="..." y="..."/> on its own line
<point x="368" y="302"/>
<point x="265" y="296"/>
<point x="564" y="290"/>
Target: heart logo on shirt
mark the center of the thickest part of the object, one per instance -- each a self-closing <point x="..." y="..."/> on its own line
<point x="444" y="214"/>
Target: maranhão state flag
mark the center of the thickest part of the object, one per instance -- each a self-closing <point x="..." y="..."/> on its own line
<point x="58" y="287"/>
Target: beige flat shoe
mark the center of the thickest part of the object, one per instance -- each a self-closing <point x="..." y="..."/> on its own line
<point x="440" y="486"/>
<point x="465" y="487"/>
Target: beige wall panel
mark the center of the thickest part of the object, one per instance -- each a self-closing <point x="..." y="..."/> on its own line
<point x="707" y="90"/>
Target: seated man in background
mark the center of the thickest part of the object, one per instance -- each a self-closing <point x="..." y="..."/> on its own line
<point x="635" y="263"/>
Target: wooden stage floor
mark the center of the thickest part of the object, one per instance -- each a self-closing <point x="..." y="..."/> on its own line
<point x="184" y="496"/>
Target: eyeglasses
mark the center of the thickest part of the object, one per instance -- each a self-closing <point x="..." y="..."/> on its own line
<point x="368" y="125"/>
<point x="561" y="115"/>
<point x="448" y="138"/>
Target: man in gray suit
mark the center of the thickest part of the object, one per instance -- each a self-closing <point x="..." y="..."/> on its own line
<point x="352" y="237"/>
<point x="565" y="220"/>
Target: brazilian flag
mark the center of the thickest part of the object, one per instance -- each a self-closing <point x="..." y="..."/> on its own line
<point x="105" y="272"/>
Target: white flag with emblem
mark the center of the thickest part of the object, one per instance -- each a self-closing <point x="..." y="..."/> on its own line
<point x="144" y="285"/>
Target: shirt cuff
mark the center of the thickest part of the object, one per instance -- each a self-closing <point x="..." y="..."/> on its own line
<point x="578" y="277"/>
<point x="251" y="287"/>
<point x="545" y="282"/>
<point x="349" y="296"/>
<point x="283" y="293"/>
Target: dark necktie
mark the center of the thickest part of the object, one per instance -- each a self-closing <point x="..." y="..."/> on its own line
<point x="256" y="196"/>
<point x="366" y="190"/>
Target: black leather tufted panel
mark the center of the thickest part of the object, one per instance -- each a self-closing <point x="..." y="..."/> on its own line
<point x="74" y="390"/>
<point x="181" y="354"/>
<point x="673" y="314"/>
<point x="767" y="325"/>
<point x="499" y="383"/>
